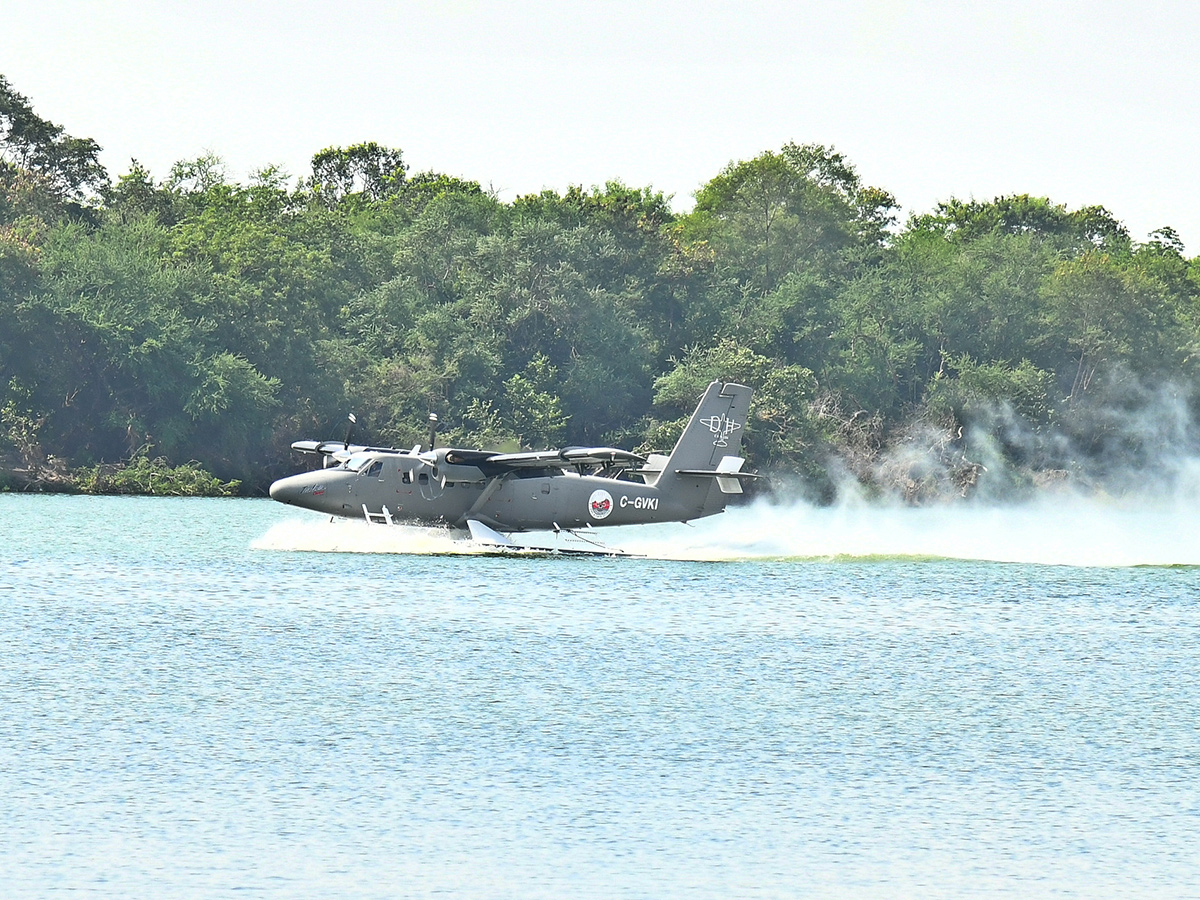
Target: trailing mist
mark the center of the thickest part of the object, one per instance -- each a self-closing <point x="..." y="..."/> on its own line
<point x="186" y="327"/>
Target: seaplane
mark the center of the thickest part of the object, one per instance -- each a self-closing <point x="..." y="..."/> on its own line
<point x="499" y="498"/>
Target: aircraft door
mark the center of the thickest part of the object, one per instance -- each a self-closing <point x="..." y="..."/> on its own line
<point x="571" y="499"/>
<point x="557" y="496"/>
<point x="542" y="503"/>
<point x="430" y="482"/>
<point x="365" y="488"/>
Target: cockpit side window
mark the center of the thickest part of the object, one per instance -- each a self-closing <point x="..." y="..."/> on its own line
<point x="375" y="469"/>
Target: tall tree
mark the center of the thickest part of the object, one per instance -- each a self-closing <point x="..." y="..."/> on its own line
<point x="32" y="149"/>
<point x="366" y="169"/>
<point x="804" y="207"/>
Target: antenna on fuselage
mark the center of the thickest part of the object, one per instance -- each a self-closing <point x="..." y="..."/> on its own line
<point x="433" y="425"/>
<point x="349" y="431"/>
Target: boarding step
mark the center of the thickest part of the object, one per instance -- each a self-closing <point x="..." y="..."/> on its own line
<point x="378" y="518"/>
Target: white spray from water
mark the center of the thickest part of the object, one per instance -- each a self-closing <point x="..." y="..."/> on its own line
<point x="1053" y="530"/>
<point x="319" y="535"/>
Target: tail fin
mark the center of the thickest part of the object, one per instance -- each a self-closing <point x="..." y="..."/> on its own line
<point x="704" y="466"/>
<point x="715" y="429"/>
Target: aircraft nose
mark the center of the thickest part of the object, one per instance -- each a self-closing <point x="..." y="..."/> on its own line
<point x="285" y="490"/>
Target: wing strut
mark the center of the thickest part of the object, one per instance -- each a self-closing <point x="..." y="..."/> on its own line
<point x="488" y="492"/>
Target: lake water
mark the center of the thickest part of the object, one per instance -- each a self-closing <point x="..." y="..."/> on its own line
<point x="193" y="704"/>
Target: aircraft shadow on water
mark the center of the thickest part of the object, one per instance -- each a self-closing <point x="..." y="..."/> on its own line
<point x="496" y="496"/>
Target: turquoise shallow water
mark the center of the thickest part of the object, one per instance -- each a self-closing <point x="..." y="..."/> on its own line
<point x="184" y="716"/>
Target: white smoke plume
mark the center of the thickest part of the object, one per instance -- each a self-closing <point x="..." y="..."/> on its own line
<point x="1137" y="441"/>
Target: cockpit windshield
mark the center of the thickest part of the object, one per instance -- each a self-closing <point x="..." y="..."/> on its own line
<point x="357" y="461"/>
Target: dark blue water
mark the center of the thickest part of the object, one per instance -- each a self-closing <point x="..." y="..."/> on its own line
<point x="184" y="716"/>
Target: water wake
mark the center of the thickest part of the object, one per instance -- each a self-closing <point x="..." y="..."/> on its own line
<point x="356" y="536"/>
<point x="1053" y="531"/>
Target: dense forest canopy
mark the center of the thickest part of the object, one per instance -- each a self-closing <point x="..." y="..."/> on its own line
<point x="197" y="319"/>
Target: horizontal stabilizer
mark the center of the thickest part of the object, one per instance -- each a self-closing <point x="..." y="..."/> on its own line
<point x="730" y="464"/>
<point x="653" y="468"/>
<point x="729" y="485"/>
<point x="728" y="474"/>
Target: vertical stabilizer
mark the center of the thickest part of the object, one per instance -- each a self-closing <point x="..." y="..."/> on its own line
<point x="714" y="431"/>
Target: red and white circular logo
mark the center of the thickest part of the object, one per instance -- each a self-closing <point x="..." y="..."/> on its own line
<point x="600" y="504"/>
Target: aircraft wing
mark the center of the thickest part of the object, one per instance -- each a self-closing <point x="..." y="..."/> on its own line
<point x="489" y="460"/>
<point x="338" y="449"/>
<point x="566" y="459"/>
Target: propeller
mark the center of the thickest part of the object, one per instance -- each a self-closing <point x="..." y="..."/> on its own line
<point x="349" y="431"/>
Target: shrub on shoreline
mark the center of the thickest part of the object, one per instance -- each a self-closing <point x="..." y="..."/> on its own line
<point x="153" y="477"/>
<point x="140" y="476"/>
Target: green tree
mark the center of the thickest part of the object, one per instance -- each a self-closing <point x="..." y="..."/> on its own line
<point x="121" y="363"/>
<point x="536" y="411"/>
<point x="371" y="171"/>
<point x="39" y="157"/>
<point x="804" y="207"/>
<point x="1089" y="228"/>
<point x="1107" y="315"/>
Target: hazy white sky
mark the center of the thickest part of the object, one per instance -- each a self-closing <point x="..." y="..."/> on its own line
<point x="1092" y="102"/>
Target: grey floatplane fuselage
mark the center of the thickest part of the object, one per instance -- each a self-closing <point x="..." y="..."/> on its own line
<point x="494" y="494"/>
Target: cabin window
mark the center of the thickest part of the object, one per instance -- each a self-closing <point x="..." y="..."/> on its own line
<point x="423" y="478"/>
<point x="406" y="477"/>
<point x="538" y="472"/>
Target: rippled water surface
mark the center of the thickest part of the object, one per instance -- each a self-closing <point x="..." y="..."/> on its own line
<point x="185" y="715"/>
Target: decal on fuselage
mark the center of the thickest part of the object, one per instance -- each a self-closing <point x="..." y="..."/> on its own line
<point x="600" y="504"/>
<point x="722" y="428"/>
<point x="639" y="502"/>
